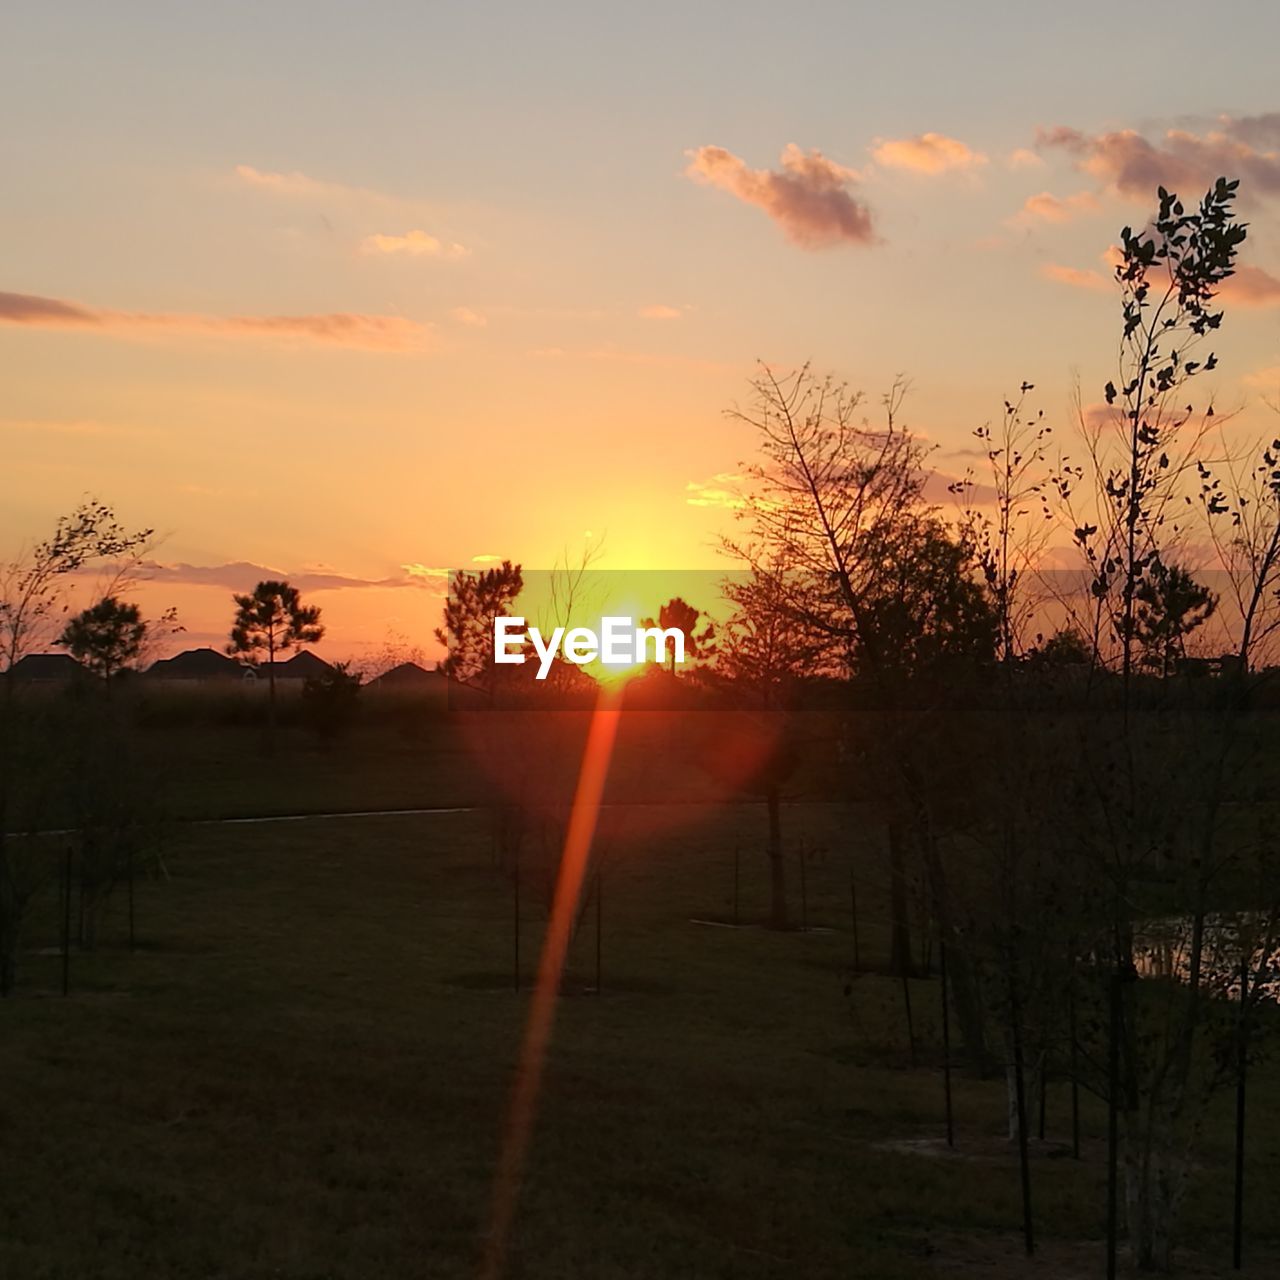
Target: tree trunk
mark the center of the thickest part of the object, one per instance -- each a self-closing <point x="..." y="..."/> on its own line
<point x="777" y="868"/>
<point x="899" y="911"/>
<point x="1153" y="1183"/>
<point x="271" y="698"/>
<point x="1033" y="1087"/>
<point x="964" y="981"/>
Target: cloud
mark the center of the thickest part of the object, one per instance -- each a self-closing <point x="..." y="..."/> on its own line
<point x="1022" y="158"/>
<point x="413" y="244"/>
<point x="340" y="328"/>
<point x="1266" y="379"/>
<point x="1251" y="287"/>
<point x="929" y="153"/>
<point x="647" y="359"/>
<point x="302" y="187"/>
<point x="473" y="319"/>
<point x="242" y="575"/>
<point x="938" y="488"/>
<point x="72" y="427"/>
<point x="1133" y="166"/>
<point x="660" y="311"/>
<point x="721" y="490"/>
<point x="808" y="197"/>
<point x="1075" y="277"/>
<point x="1050" y="208"/>
<point x="287" y="184"/>
<point x="416" y="570"/>
<point x="486" y="559"/>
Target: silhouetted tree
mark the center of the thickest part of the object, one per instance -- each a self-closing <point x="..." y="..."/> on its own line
<point x="31" y="585"/>
<point x="1146" y="807"/>
<point x="678" y="615"/>
<point x="330" y="702"/>
<point x="32" y="599"/>
<point x="1007" y="544"/>
<point x="1170" y="605"/>
<point x="105" y="637"/>
<point x="1064" y="648"/>
<point x="765" y="655"/>
<point x="475" y="600"/>
<point x="1244" y="524"/>
<point x="926" y="631"/>
<point x="271" y="619"/>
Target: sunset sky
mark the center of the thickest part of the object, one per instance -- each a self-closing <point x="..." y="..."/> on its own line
<point x="358" y="294"/>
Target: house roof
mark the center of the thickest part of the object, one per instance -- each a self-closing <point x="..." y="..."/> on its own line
<point x="46" y="666"/>
<point x="406" y="675"/>
<point x="302" y="666"/>
<point x="195" y="664"/>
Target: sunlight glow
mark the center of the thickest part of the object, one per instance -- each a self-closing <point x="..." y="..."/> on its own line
<point x="574" y="861"/>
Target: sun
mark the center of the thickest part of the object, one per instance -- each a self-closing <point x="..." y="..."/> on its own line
<point x="614" y="675"/>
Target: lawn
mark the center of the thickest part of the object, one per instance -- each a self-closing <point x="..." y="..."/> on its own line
<point x="302" y="1071"/>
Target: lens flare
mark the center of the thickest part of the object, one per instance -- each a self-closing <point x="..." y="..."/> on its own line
<point x="522" y="1112"/>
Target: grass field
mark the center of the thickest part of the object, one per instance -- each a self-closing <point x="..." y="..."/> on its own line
<point x="302" y="1071"/>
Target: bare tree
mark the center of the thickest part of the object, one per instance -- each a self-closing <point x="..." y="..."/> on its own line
<point x="33" y="583"/>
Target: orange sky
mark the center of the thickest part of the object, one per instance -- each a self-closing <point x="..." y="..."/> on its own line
<point x="354" y="300"/>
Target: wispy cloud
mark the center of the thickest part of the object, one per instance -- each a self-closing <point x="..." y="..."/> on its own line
<point x="85" y="427"/>
<point x="614" y="355"/>
<point x="1023" y="158"/>
<point x="808" y="197"/>
<point x="287" y="184"/>
<point x="295" y="185"/>
<point x="243" y="575"/>
<point x="1133" y="165"/>
<point x="1265" y="379"/>
<point x="1076" y="277"/>
<point x="337" y="328"/>
<point x="722" y="490"/>
<point x="412" y="244"/>
<point x="946" y="488"/>
<point x="467" y="316"/>
<point x="1050" y="208"/>
<point x="927" y="153"/>
<point x="1251" y="287"/>
<point x="660" y="311"/>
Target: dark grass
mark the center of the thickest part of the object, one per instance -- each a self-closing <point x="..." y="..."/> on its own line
<point x="303" y="1073"/>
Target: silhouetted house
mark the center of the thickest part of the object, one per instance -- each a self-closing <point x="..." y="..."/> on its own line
<point x="46" y="668"/>
<point x="1225" y="664"/>
<point x="408" y="676"/>
<point x="304" y="665"/>
<point x="196" y="664"/>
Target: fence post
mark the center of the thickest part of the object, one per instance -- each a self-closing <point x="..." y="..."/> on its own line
<point x="1020" y="1089"/>
<point x="132" y="936"/>
<point x="515" y="918"/>
<point x="1237" y="1234"/>
<point x="1113" y="1124"/>
<point x="911" y="1030"/>
<point x="804" y="891"/>
<point x="853" y="914"/>
<point x="946" y="1041"/>
<point x="1075" y="1069"/>
<point x="66" y="921"/>
<point x="599" y="919"/>
<point x="736" y="857"/>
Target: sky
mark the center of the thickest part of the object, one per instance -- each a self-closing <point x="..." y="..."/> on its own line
<point x="357" y="294"/>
